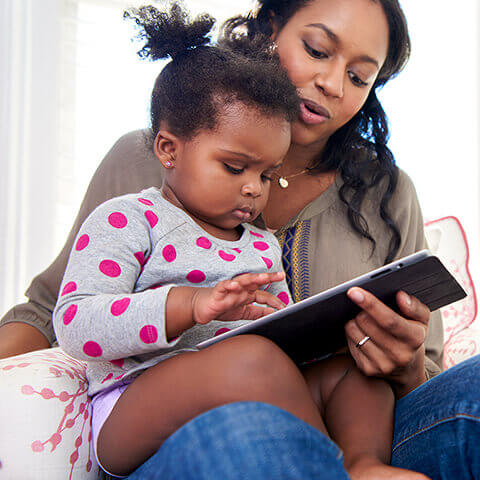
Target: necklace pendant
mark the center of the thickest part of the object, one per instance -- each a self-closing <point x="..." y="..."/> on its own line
<point x="283" y="182"/>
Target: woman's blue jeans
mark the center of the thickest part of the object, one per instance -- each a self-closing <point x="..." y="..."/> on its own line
<point x="437" y="432"/>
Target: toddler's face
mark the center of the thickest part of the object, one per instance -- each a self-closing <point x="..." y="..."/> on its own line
<point x="222" y="177"/>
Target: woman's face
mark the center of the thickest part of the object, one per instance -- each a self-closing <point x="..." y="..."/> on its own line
<point x="333" y="51"/>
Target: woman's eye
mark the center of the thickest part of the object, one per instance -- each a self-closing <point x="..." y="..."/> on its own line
<point x="314" y="53"/>
<point x="356" y="80"/>
<point x="266" y="178"/>
<point x="235" y="171"/>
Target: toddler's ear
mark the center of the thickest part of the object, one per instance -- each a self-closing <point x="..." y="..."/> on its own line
<point x="165" y="147"/>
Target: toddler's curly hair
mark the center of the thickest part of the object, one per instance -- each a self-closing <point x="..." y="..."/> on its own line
<point x="202" y="79"/>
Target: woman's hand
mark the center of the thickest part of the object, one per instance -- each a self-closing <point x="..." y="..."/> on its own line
<point x="395" y="350"/>
<point x="232" y="299"/>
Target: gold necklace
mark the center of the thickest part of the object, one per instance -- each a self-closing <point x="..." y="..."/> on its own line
<point x="283" y="180"/>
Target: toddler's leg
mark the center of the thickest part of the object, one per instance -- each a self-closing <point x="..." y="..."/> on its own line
<point x="163" y="398"/>
<point x="358" y="412"/>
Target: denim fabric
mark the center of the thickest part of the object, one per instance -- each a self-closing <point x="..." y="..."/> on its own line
<point x="437" y="426"/>
<point x="247" y="441"/>
<point x="437" y="432"/>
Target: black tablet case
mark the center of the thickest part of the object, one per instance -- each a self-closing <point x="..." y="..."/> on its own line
<point x="320" y="326"/>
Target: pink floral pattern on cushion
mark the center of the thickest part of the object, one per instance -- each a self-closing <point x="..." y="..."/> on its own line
<point x="447" y="240"/>
<point x="464" y="345"/>
<point x="45" y="394"/>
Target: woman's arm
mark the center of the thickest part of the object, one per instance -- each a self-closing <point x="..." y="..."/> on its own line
<point x="129" y="167"/>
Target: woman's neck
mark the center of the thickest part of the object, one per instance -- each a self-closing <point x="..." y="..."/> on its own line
<point x="300" y="157"/>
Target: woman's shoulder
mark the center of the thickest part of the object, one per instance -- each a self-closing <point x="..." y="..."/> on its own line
<point x="405" y="192"/>
<point x="131" y="148"/>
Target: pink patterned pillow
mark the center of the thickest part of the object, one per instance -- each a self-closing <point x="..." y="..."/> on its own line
<point x="448" y="241"/>
<point x="45" y="418"/>
<point x="464" y="345"/>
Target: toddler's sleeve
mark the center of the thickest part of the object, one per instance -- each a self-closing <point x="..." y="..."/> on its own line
<point x="97" y="316"/>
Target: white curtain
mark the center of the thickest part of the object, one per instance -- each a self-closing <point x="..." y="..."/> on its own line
<point x="71" y="84"/>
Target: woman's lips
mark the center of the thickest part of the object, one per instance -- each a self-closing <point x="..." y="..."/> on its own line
<point x="312" y="113"/>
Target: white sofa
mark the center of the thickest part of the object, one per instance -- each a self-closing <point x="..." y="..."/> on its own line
<point x="45" y="411"/>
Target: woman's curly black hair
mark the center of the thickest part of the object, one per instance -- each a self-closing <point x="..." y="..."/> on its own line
<point x="359" y="149"/>
<point x="201" y="79"/>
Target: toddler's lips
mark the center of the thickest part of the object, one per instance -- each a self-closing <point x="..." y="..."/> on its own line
<point x="243" y="215"/>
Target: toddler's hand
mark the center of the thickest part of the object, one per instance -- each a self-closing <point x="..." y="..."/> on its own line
<point x="232" y="299"/>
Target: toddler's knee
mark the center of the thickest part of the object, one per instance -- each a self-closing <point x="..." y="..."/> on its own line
<point x="255" y="359"/>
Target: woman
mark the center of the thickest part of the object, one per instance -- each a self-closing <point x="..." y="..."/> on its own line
<point x="345" y="210"/>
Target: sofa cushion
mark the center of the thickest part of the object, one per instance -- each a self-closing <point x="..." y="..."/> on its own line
<point x="448" y="241"/>
<point x="45" y="418"/>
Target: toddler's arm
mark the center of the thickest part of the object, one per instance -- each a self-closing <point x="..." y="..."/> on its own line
<point x="97" y="315"/>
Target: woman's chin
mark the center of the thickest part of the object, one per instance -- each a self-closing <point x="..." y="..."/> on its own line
<point x="302" y="136"/>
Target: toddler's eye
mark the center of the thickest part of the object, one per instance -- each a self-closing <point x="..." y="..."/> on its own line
<point x="314" y="53"/>
<point x="356" y="80"/>
<point x="235" y="171"/>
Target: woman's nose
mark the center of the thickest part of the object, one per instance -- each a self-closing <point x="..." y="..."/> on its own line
<point x="331" y="80"/>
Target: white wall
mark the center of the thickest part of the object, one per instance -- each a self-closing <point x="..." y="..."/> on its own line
<point x="434" y="106"/>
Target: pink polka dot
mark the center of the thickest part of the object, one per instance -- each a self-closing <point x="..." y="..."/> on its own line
<point x="119" y="306"/>
<point x="196" y="276"/>
<point x="226" y="256"/>
<point x="117" y="220"/>
<point x="140" y="257"/>
<point x="283" y="296"/>
<point x="69" y="287"/>
<point x="261" y="246"/>
<point x="149" y="334"/>
<point x="145" y="201"/>
<point x="169" y="253"/>
<point x="107" y="378"/>
<point x="151" y="218"/>
<point x="255" y="234"/>
<point x="110" y="268"/>
<point x="268" y="262"/>
<point x="237" y="250"/>
<point x="92" y="349"/>
<point x="221" y="330"/>
<point x="69" y="314"/>
<point x="119" y="362"/>
<point x="82" y="242"/>
<point x="204" y="242"/>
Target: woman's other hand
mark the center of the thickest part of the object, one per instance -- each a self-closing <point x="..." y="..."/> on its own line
<point x="395" y="349"/>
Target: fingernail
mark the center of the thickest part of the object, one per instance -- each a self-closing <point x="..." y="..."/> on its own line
<point x="408" y="300"/>
<point x="356" y="295"/>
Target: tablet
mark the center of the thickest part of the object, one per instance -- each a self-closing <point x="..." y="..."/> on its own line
<point x="314" y="328"/>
